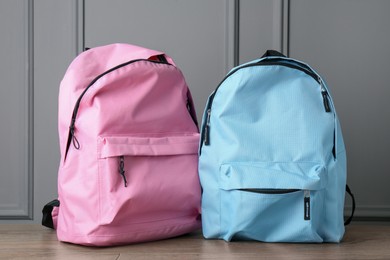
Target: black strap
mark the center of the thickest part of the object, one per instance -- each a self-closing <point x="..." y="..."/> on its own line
<point x="270" y="53"/>
<point x="348" y="190"/>
<point x="47" y="219"/>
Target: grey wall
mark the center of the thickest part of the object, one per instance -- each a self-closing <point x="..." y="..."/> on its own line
<point x="346" y="41"/>
<point x="15" y="104"/>
<point x="192" y="32"/>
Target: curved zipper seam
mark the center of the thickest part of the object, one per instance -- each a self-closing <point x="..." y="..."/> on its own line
<point x="263" y="62"/>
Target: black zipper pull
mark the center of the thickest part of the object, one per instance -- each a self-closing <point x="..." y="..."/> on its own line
<point x="75" y="142"/>
<point x="306" y="204"/>
<point x="206" y="134"/>
<point x="326" y="100"/>
<point x="325" y="96"/>
<point x="122" y="169"/>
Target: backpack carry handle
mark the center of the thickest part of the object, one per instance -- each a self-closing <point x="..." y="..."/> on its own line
<point x="274" y="53"/>
<point x="162" y="58"/>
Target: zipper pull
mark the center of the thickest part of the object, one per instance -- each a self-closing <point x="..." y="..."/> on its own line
<point x="306" y="205"/>
<point x="122" y="169"/>
<point x="325" y="96"/>
<point x="75" y="142"/>
<point x="207" y="128"/>
<point x="326" y="100"/>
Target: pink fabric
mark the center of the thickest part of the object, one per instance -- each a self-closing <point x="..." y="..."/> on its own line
<point x="138" y="111"/>
<point x="148" y="146"/>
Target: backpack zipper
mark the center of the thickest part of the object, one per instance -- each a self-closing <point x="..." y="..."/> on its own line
<point x="306" y="204"/>
<point x="306" y="197"/>
<point x="271" y="191"/>
<point x="71" y="134"/>
<point x="265" y="62"/>
<point x="325" y="96"/>
<point x="121" y="169"/>
<point x="206" y="130"/>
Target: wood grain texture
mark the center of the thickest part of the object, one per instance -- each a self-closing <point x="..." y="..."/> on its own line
<point x="362" y="241"/>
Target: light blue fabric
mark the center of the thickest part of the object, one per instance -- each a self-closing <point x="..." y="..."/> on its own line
<point x="268" y="130"/>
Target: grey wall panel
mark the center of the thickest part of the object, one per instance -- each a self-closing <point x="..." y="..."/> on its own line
<point x="15" y="189"/>
<point x="348" y="43"/>
<point x="261" y="28"/>
<point x="45" y="35"/>
<point x="55" y="45"/>
<point x="192" y="32"/>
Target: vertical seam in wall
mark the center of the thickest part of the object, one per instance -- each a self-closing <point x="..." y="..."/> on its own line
<point x="83" y="25"/>
<point x="286" y="27"/>
<point x="229" y="35"/>
<point x="281" y="26"/>
<point x="277" y="25"/>
<point x="30" y="107"/>
<point x="236" y="32"/>
<point x="80" y="26"/>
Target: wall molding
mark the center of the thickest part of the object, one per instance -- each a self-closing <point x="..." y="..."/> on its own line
<point x="281" y="26"/>
<point x="23" y="209"/>
<point x="30" y="104"/>
<point x="236" y="58"/>
<point x="285" y="28"/>
<point x="231" y="34"/>
<point x="79" y="26"/>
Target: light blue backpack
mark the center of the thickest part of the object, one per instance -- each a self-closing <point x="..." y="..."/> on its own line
<point x="272" y="158"/>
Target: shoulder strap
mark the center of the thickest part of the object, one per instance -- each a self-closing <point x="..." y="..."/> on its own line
<point x="348" y="190"/>
<point x="47" y="218"/>
<point x="191" y="108"/>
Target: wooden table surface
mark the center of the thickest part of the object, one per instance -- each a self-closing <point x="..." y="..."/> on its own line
<point x="362" y="241"/>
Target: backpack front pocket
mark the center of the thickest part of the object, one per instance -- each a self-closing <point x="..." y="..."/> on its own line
<point x="148" y="179"/>
<point x="272" y="202"/>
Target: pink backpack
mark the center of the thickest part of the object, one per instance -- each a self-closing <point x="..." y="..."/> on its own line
<point x="129" y="141"/>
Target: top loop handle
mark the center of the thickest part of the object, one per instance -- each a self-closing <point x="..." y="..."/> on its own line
<point x="270" y="53"/>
